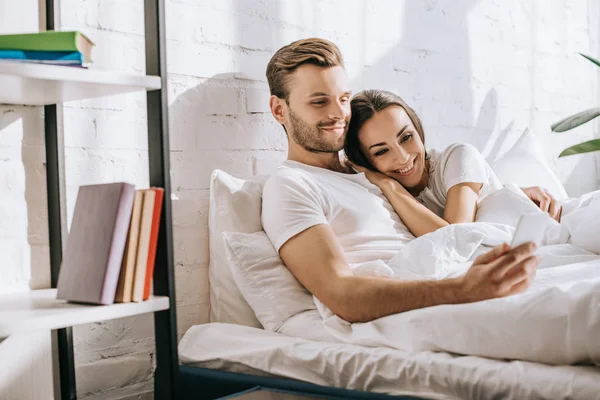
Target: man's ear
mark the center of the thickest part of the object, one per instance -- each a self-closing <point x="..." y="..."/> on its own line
<point x="278" y="108"/>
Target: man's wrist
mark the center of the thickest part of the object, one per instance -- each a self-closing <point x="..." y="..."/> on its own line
<point x="455" y="290"/>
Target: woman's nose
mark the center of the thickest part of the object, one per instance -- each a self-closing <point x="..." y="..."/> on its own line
<point x="401" y="156"/>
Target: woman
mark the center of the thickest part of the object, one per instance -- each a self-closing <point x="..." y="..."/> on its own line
<point x="428" y="189"/>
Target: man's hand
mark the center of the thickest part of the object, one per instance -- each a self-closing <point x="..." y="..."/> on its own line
<point x="500" y="272"/>
<point x="544" y="200"/>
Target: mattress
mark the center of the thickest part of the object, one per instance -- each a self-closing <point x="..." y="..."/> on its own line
<point x="432" y="375"/>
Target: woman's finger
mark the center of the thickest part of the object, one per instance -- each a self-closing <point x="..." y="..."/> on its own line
<point x="544" y="202"/>
<point x="555" y="208"/>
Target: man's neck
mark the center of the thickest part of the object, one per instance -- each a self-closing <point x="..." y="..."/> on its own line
<point x="330" y="161"/>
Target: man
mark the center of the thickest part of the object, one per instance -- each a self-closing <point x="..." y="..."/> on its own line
<point x="322" y="217"/>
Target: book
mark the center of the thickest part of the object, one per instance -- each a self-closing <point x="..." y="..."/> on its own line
<point x="48" y="41"/>
<point x="94" y="251"/>
<point x="125" y="284"/>
<point x="46" y="57"/>
<point x="159" y="194"/>
<point x="141" y="261"/>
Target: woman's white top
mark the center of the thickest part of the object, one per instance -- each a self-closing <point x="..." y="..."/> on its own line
<point x="458" y="163"/>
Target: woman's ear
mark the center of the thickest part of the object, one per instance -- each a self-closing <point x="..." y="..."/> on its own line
<point x="278" y="109"/>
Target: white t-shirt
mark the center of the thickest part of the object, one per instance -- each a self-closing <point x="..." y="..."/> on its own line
<point x="298" y="196"/>
<point x="458" y="163"/>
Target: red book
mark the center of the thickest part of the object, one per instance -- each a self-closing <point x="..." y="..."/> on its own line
<point x="159" y="193"/>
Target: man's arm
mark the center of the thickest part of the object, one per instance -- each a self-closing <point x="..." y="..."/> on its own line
<point x="316" y="259"/>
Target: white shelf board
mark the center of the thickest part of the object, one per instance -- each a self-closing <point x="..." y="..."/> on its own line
<point x="39" y="84"/>
<point x="39" y="309"/>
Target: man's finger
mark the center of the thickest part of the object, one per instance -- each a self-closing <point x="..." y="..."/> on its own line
<point x="492" y="254"/>
<point x="509" y="260"/>
<point x="524" y="271"/>
<point x="519" y="287"/>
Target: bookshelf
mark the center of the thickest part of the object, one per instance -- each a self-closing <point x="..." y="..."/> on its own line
<point x="40" y="85"/>
<point x="47" y="86"/>
<point x="39" y="309"/>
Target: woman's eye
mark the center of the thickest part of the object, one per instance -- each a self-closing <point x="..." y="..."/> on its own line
<point x="406" y="138"/>
<point x="319" y="102"/>
<point x="380" y="152"/>
<point x="344" y="100"/>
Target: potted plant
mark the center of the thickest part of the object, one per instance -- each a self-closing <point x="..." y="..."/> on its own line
<point x="576" y="120"/>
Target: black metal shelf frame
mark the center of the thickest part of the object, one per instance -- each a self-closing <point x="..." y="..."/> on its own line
<point x="165" y="322"/>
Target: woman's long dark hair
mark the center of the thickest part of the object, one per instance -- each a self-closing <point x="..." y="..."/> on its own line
<point x="364" y="106"/>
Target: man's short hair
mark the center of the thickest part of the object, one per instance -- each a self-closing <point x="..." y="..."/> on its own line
<point x="284" y="62"/>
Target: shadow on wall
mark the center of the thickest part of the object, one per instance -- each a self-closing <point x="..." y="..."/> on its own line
<point x="432" y="71"/>
<point x="218" y="123"/>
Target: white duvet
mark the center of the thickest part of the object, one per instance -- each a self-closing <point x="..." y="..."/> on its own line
<point x="556" y="321"/>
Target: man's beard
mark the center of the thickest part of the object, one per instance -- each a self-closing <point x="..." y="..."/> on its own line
<point x="311" y="137"/>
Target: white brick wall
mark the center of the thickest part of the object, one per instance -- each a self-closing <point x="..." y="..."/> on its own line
<point x="472" y="69"/>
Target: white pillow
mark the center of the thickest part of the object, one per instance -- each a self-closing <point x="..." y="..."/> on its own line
<point x="524" y="165"/>
<point x="235" y="205"/>
<point x="265" y="282"/>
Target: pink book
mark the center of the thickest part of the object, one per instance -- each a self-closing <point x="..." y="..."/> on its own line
<point x="92" y="261"/>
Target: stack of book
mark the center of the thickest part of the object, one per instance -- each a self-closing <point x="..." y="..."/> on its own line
<point x="111" y="247"/>
<point x="50" y="47"/>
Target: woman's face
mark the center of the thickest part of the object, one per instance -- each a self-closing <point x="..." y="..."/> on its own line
<point x="393" y="146"/>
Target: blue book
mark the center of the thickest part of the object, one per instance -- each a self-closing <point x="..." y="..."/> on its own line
<point x="44" y="57"/>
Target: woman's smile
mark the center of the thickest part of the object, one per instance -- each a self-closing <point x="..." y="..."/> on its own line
<point x="408" y="169"/>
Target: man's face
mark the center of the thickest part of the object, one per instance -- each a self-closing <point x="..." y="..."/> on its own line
<point x="318" y="108"/>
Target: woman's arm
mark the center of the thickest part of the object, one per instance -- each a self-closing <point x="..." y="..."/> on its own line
<point x="461" y="205"/>
<point x="417" y="218"/>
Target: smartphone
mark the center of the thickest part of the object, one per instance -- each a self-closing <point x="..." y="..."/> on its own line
<point x="530" y="228"/>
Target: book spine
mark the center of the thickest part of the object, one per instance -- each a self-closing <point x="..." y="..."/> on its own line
<point x="43" y="41"/>
<point x="42" y="55"/>
<point x="153" y="240"/>
<point x="117" y="247"/>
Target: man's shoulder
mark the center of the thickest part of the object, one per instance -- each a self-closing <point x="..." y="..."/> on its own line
<point x="290" y="176"/>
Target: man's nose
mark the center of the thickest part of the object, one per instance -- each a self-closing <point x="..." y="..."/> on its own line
<point x="337" y="111"/>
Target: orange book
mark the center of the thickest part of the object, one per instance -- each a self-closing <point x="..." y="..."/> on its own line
<point x="159" y="193"/>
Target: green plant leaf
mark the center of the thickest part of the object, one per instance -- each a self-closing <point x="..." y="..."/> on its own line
<point x="591" y="59"/>
<point x="575" y="120"/>
<point x="585" y="147"/>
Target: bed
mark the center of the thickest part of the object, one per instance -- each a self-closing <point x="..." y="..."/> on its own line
<point x="236" y="352"/>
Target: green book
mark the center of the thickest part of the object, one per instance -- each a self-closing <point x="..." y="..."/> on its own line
<point x="48" y="41"/>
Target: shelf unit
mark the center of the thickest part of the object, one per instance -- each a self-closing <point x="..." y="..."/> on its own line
<point x="40" y="85"/>
<point x="39" y="309"/>
<point x="47" y="85"/>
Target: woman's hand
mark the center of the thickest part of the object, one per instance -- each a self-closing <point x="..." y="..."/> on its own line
<point x="381" y="180"/>
<point x="544" y="200"/>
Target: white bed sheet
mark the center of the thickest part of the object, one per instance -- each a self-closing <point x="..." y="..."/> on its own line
<point x="433" y="375"/>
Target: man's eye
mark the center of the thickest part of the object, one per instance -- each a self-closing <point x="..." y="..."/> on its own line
<point x="380" y="152"/>
<point x="318" y="102"/>
<point x="344" y="99"/>
<point x="406" y="138"/>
